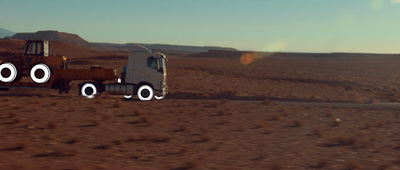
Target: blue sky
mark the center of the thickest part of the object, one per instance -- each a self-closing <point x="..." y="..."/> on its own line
<point x="265" y="25"/>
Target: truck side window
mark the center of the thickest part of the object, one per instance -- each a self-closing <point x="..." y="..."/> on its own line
<point x="32" y="48"/>
<point x="39" y="49"/>
<point x="152" y="62"/>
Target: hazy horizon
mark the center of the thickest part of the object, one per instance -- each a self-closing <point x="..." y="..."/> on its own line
<point x="366" y="26"/>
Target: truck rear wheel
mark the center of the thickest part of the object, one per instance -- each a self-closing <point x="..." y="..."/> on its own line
<point x="8" y="72"/>
<point x="89" y="90"/>
<point x="145" y="93"/>
<point x="40" y="73"/>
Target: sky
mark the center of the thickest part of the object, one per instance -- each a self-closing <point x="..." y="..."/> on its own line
<point x="368" y="26"/>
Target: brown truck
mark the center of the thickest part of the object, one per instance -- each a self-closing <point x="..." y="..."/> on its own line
<point x="43" y="70"/>
<point x="144" y="75"/>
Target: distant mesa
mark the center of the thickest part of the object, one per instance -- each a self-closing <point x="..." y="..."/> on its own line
<point x="186" y="48"/>
<point x="259" y="55"/>
<point x="218" y="54"/>
<point x="74" y="39"/>
<point x="53" y="36"/>
<point x="5" y="33"/>
<point x="168" y="47"/>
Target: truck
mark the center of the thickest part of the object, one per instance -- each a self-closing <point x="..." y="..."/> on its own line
<point x="144" y="74"/>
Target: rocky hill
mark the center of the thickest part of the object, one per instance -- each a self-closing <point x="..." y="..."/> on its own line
<point x="54" y="36"/>
<point x="258" y="55"/>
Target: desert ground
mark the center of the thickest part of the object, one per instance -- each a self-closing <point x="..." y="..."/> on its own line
<point x="248" y="112"/>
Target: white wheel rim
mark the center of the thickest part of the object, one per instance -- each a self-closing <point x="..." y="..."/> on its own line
<point x="88" y="85"/>
<point x="13" y="72"/>
<point x="127" y="96"/>
<point x="159" y="97"/>
<point x="45" y="70"/>
<point x="145" y="87"/>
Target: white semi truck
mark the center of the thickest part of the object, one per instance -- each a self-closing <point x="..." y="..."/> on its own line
<point x="144" y="76"/>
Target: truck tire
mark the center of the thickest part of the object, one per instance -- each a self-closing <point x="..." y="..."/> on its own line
<point x="145" y="93"/>
<point x="89" y="90"/>
<point x="128" y="96"/>
<point x="159" y="97"/>
<point x="11" y="75"/>
<point x="41" y="69"/>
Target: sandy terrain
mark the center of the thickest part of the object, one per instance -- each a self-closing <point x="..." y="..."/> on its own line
<point x="58" y="132"/>
<point x="220" y="114"/>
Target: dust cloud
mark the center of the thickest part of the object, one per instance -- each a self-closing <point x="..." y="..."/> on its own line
<point x="248" y="58"/>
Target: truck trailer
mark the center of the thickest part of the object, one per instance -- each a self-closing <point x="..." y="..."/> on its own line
<point x="143" y="76"/>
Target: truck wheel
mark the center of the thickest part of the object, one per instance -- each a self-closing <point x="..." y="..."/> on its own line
<point x="145" y="93"/>
<point x="159" y="97"/>
<point x="127" y="96"/>
<point x="8" y="72"/>
<point x="89" y="90"/>
<point x="40" y="73"/>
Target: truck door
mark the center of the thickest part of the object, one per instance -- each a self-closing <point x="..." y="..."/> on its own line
<point x="154" y="73"/>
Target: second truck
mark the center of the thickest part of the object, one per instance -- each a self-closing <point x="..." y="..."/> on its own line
<point x="143" y="76"/>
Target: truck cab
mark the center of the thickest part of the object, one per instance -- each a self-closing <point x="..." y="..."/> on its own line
<point x="145" y="67"/>
<point x="144" y="76"/>
<point x="37" y="47"/>
<point x="38" y="51"/>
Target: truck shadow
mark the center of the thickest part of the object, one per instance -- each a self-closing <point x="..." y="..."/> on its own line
<point x="230" y="96"/>
<point x="20" y="95"/>
<point x="187" y="96"/>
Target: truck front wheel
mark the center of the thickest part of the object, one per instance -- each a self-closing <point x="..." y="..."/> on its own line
<point x="145" y="93"/>
<point x="89" y="90"/>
